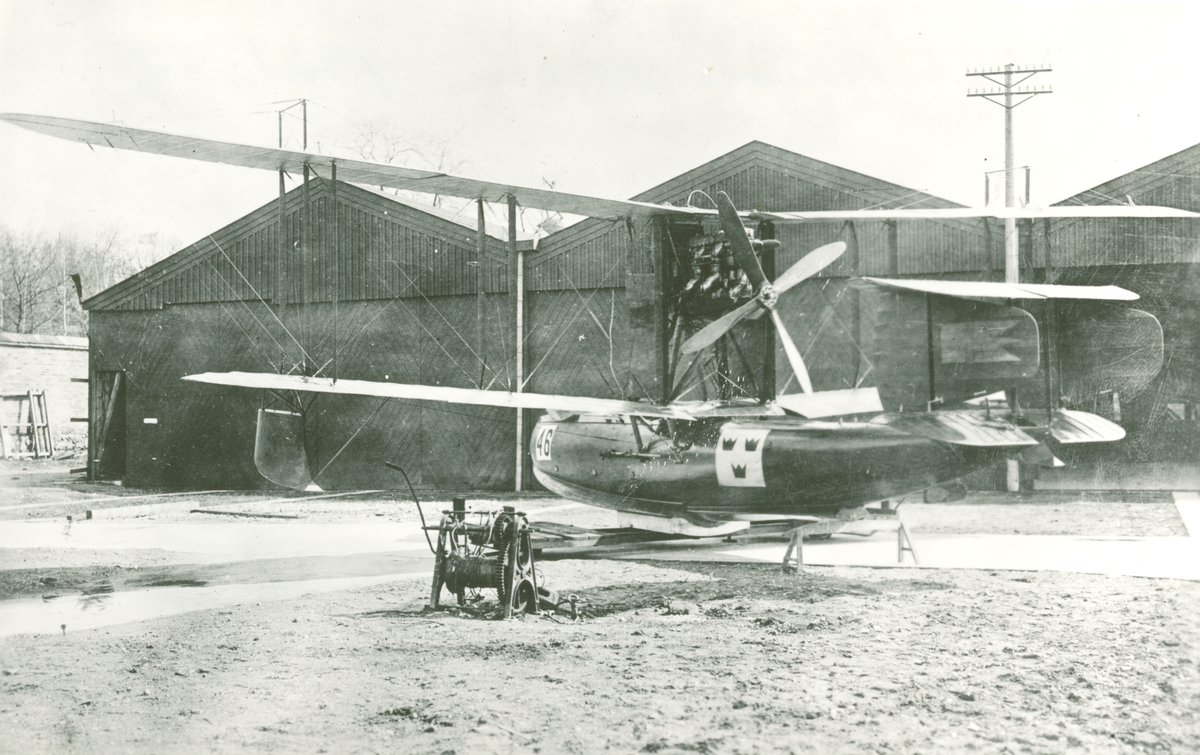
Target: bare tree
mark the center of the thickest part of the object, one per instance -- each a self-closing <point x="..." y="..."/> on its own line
<point x="28" y="283"/>
<point x="541" y="222"/>
<point x="43" y="279"/>
<point x="382" y="141"/>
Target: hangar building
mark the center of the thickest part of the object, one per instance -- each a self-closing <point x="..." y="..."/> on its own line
<point x="348" y="282"/>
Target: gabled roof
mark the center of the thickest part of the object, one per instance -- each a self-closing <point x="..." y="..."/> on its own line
<point x="856" y="191"/>
<point x="464" y="218"/>
<point x="756" y="175"/>
<point x="1173" y="181"/>
<point x="152" y="287"/>
<point x="779" y="179"/>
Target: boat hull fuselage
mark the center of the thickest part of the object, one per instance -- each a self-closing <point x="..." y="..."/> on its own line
<point x="720" y="470"/>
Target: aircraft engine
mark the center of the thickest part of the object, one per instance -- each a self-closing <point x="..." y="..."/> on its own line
<point x="717" y="283"/>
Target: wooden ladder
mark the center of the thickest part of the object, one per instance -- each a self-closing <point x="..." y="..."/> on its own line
<point x="30" y="438"/>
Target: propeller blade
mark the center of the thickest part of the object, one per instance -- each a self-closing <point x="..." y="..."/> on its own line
<point x="709" y="334"/>
<point x="809" y="265"/>
<point x="735" y="234"/>
<point x="793" y="354"/>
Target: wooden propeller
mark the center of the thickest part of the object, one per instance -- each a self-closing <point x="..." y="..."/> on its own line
<point x="766" y="293"/>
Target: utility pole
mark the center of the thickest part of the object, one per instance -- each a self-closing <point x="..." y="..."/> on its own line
<point x="303" y="117"/>
<point x="1010" y="88"/>
<point x="1012" y="251"/>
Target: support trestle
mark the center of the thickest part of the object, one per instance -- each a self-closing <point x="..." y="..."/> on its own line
<point x="861" y="521"/>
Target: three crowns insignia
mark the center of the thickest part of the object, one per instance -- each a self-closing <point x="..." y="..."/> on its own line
<point x="749" y="446"/>
<point x="727" y="444"/>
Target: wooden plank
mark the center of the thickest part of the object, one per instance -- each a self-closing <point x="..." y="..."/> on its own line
<point x="95" y="405"/>
<point x="42" y="422"/>
<point x="306" y="240"/>
<point x="35" y="437"/>
<point x="110" y="407"/>
<point x="247" y="514"/>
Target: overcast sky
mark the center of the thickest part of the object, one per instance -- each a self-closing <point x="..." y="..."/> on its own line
<point x="606" y="99"/>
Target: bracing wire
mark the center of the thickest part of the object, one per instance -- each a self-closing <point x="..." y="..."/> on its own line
<point x="616" y="386"/>
<point x="396" y="297"/>
<point x="920" y="196"/>
<point x="250" y="286"/>
<point x="206" y="284"/>
<point x="257" y="321"/>
<point x="568" y="324"/>
<point x="411" y="281"/>
<point x="352" y="437"/>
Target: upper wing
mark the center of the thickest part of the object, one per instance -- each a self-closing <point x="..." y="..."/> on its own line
<point x="396" y="177"/>
<point x="992" y="290"/>
<point x="967" y="213"/>
<point x="573" y="404"/>
<point x="354" y="171"/>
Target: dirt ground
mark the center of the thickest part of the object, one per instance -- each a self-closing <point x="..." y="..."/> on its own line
<point x="836" y="660"/>
<point x="690" y="658"/>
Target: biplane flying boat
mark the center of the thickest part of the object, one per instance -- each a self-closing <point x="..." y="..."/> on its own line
<point x="704" y="467"/>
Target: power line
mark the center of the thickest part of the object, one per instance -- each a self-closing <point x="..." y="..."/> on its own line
<point x="1010" y="87"/>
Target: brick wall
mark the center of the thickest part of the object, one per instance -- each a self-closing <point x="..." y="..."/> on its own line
<point x="46" y="363"/>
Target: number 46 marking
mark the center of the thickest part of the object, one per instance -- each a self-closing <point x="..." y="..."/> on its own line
<point x="541" y="447"/>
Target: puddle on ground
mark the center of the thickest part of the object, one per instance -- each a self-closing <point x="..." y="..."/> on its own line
<point x="106" y="608"/>
<point x="216" y="540"/>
